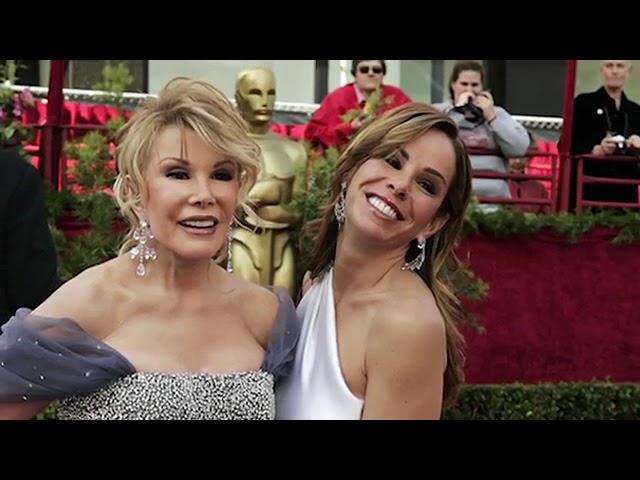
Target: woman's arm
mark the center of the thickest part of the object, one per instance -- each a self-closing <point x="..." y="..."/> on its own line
<point x="511" y="136"/>
<point x="405" y="363"/>
<point x="46" y="355"/>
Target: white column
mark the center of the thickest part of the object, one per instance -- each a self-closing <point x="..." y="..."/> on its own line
<point x="295" y="80"/>
<point x="339" y="74"/>
<point x="393" y="72"/>
<point x="45" y="66"/>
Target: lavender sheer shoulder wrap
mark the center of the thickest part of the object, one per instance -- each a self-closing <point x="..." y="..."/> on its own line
<point x="46" y="359"/>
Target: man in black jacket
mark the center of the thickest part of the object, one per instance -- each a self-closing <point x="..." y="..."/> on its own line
<point x="28" y="266"/>
<point x="598" y="118"/>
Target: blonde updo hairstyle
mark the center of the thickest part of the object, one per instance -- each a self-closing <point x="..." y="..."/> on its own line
<point x="187" y="104"/>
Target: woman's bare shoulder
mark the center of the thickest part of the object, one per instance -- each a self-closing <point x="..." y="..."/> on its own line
<point x="411" y="312"/>
<point x="258" y="306"/>
<point x="85" y="299"/>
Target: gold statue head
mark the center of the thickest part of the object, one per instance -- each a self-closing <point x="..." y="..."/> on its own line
<point x="256" y="95"/>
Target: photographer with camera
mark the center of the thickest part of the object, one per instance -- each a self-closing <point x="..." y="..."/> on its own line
<point x="606" y="122"/>
<point x="483" y="125"/>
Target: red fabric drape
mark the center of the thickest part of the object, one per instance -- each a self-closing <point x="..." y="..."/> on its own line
<point x="73" y="113"/>
<point x="556" y="311"/>
<point x="543" y="165"/>
<point x="79" y="113"/>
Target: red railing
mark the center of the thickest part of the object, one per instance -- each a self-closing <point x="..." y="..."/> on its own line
<point x="93" y="117"/>
<point x="552" y="177"/>
<point x="76" y="119"/>
<point x="581" y="179"/>
<point x="68" y="131"/>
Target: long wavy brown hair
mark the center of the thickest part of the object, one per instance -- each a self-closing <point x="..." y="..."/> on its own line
<point x="379" y="139"/>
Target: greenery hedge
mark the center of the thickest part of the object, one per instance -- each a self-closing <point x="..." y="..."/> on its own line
<point x="545" y="401"/>
<point x="548" y="401"/>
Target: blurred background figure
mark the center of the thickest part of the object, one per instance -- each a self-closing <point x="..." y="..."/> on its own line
<point x="28" y="263"/>
<point x="598" y="117"/>
<point x="345" y="110"/>
<point x="529" y="189"/>
<point x="483" y="125"/>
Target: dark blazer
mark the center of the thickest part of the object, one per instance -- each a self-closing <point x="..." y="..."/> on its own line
<point x="594" y="115"/>
<point x="28" y="266"/>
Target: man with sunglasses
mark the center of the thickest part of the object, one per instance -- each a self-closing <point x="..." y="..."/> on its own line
<point x="328" y="128"/>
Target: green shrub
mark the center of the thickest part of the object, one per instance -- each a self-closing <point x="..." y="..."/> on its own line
<point x="548" y="401"/>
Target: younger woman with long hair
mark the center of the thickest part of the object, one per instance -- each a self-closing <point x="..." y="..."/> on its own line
<point x="379" y="337"/>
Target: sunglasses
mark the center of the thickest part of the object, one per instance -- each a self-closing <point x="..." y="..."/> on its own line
<point x="364" y="69"/>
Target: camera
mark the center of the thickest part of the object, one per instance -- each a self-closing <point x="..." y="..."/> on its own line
<point x="619" y="139"/>
<point x="621" y="148"/>
<point x="472" y="113"/>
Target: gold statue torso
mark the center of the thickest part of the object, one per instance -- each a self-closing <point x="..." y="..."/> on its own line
<point x="276" y="179"/>
<point x="262" y="252"/>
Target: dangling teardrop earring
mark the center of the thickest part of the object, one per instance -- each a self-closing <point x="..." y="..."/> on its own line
<point x="229" y="241"/>
<point x="143" y="251"/>
<point x="339" y="208"/>
<point x="416" y="263"/>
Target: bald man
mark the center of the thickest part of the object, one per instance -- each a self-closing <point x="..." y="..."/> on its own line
<point x="599" y="117"/>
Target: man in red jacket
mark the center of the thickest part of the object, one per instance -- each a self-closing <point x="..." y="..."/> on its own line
<point x="345" y="110"/>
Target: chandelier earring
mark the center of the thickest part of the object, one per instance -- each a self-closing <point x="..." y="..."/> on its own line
<point x="416" y="263"/>
<point x="143" y="251"/>
<point x="229" y="242"/>
<point x="339" y="208"/>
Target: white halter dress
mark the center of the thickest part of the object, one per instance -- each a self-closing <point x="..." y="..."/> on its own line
<point x="315" y="388"/>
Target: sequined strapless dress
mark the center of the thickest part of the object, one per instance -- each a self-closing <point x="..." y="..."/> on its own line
<point x="48" y="359"/>
<point x="162" y="396"/>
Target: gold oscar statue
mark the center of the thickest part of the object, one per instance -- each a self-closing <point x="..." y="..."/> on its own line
<point x="263" y="253"/>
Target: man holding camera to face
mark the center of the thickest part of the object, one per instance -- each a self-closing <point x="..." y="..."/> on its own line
<point x="483" y="125"/>
<point x="606" y="122"/>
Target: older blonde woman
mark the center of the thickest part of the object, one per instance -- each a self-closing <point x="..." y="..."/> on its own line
<point x="161" y="331"/>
